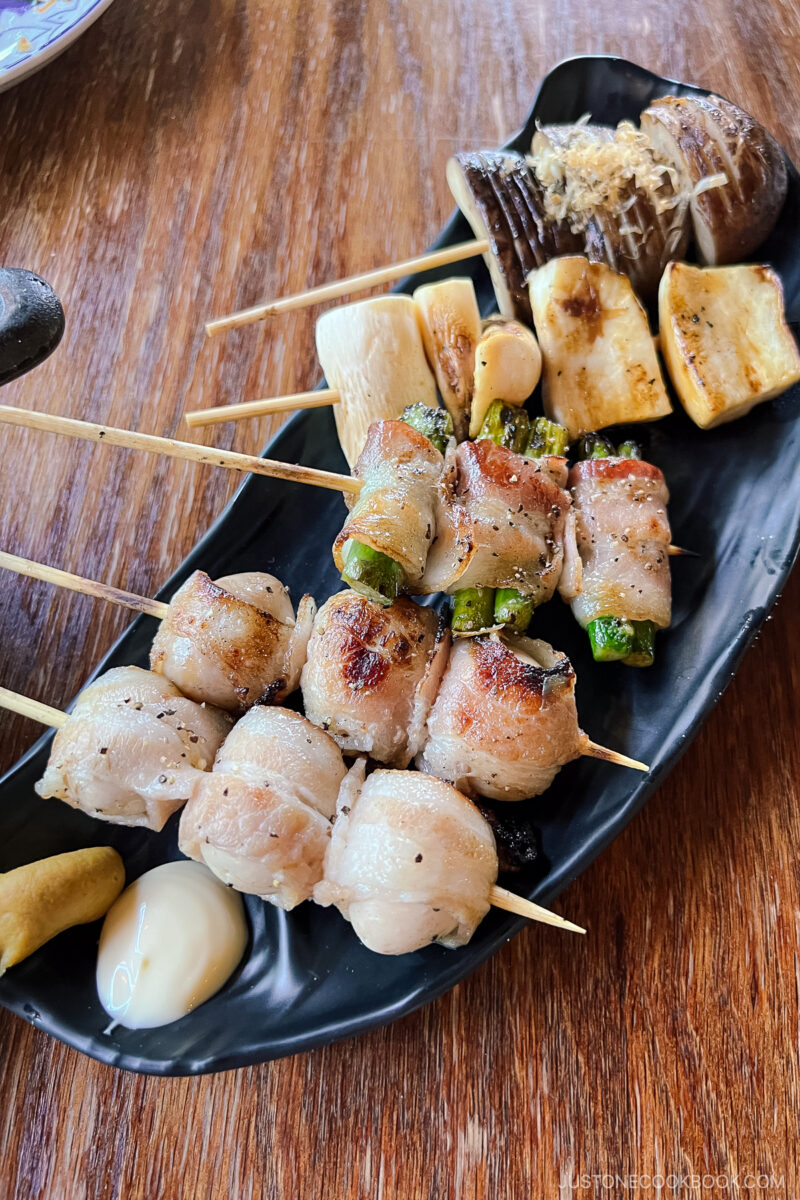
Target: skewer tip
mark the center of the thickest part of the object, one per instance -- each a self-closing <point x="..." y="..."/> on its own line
<point x="592" y="750"/>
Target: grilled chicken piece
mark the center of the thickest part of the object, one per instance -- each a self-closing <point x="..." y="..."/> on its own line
<point x="500" y="197"/>
<point x="600" y="364"/>
<point x="132" y="749"/>
<point x="372" y="353"/>
<point x="635" y="231"/>
<point x="411" y="861"/>
<point x="395" y="511"/>
<point x="508" y="364"/>
<point x="261" y="819"/>
<point x="701" y="137"/>
<point x="623" y="540"/>
<point x="725" y="339"/>
<point x="372" y="673"/>
<point x="502" y="523"/>
<point x="504" y="721"/>
<point x="450" y="323"/>
<point x="233" y="642"/>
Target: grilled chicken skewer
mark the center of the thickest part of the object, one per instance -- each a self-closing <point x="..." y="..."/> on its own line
<point x="230" y="642"/>
<point x="131" y="749"/>
<point x="261" y="821"/>
<point x="264" y="837"/>
<point x="495" y="716"/>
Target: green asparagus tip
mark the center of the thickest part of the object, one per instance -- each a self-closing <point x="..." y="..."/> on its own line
<point x="372" y="573"/>
<point x="512" y="609"/>
<point x="506" y="426"/>
<point x="643" y="652"/>
<point x="546" y="438"/>
<point x="594" y="445"/>
<point x="473" y="610"/>
<point x="615" y="640"/>
<point x="435" y="423"/>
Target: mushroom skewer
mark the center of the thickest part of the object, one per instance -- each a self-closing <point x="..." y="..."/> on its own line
<point x="228" y="857"/>
<point x="231" y="642"/>
<point x="131" y="750"/>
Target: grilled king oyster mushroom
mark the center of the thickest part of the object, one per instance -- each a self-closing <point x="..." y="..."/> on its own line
<point x="703" y="137"/>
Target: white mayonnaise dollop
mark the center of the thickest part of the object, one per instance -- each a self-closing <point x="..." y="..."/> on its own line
<point x="168" y="943"/>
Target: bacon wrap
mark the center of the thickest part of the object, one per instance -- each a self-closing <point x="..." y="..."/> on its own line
<point x="501" y="523"/>
<point x="395" y="511"/>
<point x="372" y="673"/>
<point x="504" y="720"/>
<point x="233" y="642"/>
<point x="623" y="540"/>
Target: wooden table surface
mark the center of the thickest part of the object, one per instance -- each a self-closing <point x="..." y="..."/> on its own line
<point x="185" y="159"/>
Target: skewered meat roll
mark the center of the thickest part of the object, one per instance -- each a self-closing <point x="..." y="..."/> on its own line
<point x="372" y="673"/>
<point x="395" y="512"/>
<point x="504" y="721"/>
<point x="503" y="522"/>
<point x="410" y="861"/>
<point x="261" y="819"/>
<point x="233" y="642"/>
<point x="132" y="749"/>
<point x="623" y="540"/>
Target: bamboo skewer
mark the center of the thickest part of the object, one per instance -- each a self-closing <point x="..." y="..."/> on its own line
<point x="499" y="897"/>
<point x="345" y="287"/>
<point x="88" y="431"/>
<point x="34" y="709"/>
<point x="89" y="587"/>
<point x="511" y="902"/>
<point x="592" y="750"/>
<point x="321" y="398"/>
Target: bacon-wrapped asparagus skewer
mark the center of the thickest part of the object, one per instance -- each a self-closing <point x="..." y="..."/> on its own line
<point x="624" y="544"/>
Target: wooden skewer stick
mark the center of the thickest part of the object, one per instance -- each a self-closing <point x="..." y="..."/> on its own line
<point x="592" y="750"/>
<point x="90" y="432"/>
<point x="37" y="711"/>
<point x="510" y="902"/>
<point x="321" y="398"/>
<point x="676" y="551"/>
<point x="499" y="897"/>
<point x="89" y="587"/>
<point x="344" y="287"/>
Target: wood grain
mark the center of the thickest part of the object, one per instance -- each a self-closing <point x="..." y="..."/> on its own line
<point x="188" y="159"/>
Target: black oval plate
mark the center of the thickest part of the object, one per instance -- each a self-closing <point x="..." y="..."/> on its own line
<point x="306" y="980"/>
